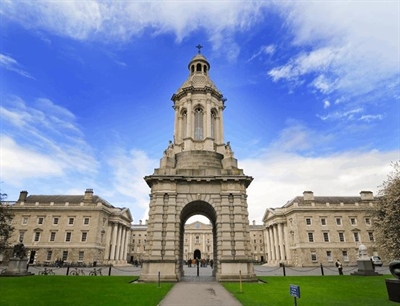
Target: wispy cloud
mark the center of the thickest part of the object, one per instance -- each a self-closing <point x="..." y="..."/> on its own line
<point x="9" y="63"/>
<point x="122" y="21"/>
<point x="43" y="132"/>
<point x="347" y="49"/>
<point x="264" y="50"/>
<point x="297" y="137"/>
<point x="345" y="115"/>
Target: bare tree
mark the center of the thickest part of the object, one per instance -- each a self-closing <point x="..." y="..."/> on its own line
<point x="387" y="215"/>
<point x="5" y="223"/>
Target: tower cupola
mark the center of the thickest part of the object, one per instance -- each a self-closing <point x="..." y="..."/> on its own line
<point x="199" y="124"/>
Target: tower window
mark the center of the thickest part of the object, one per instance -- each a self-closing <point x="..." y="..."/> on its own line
<point x="198" y="67"/>
<point x="198" y="124"/>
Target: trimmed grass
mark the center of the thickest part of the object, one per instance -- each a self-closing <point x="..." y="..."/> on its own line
<point x="76" y="291"/>
<point x="346" y="290"/>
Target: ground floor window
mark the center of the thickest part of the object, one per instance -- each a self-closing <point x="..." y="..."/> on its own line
<point x="329" y="255"/>
<point x="81" y="255"/>
<point x="65" y="255"/>
<point x="49" y="254"/>
<point x="313" y="256"/>
<point x="345" y="256"/>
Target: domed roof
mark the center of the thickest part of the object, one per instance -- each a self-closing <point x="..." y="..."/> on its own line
<point x="198" y="79"/>
<point x="199" y="58"/>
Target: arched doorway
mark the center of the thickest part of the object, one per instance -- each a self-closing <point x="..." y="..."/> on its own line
<point x="197" y="254"/>
<point x="207" y="210"/>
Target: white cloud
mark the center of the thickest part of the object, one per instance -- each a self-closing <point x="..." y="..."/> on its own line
<point x="11" y="64"/>
<point x="343" y="115"/>
<point x="121" y="21"/>
<point x="296" y="137"/>
<point x="19" y="162"/>
<point x="327" y="104"/>
<point x="353" y="43"/>
<point x="370" y="118"/>
<point x="42" y="132"/>
<point x="268" y="50"/>
<point x="281" y="176"/>
<point x="128" y="169"/>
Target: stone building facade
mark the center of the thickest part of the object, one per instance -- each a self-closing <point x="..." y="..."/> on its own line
<point x="73" y="228"/>
<point x="312" y="230"/>
<point x="307" y="231"/>
<point x="198" y="241"/>
<point x="257" y="242"/>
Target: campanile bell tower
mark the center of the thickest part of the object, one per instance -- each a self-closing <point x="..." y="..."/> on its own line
<point x="198" y="174"/>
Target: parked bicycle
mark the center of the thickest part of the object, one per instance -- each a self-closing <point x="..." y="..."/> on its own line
<point x="96" y="272"/>
<point x="47" y="272"/>
<point x="77" y="271"/>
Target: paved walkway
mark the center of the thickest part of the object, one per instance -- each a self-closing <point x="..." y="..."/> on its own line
<point x="201" y="290"/>
<point x="194" y="293"/>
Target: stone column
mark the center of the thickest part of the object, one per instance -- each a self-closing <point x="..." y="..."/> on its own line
<point x="276" y="242"/>
<point x="287" y="246"/>
<point x="189" y="119"/>
<point x="113" y="240"/>
<point x="273" y="255"/>
<point x="280" y="241"/>
<point x="268" y="240"/>
<point x="208" y="118"/>
<point x="118" y="244"/>
<point x="178" y="125"/>
<point x="126" y="244"/>
<point x="122" y="242"/>
<point x="220" y="127"/>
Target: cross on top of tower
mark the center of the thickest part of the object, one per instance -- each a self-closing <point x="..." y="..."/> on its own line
<point x="199" y="47"/>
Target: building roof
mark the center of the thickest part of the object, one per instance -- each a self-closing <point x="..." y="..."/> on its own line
<point x="324" y="199"/>
<point x="65" y="198"/>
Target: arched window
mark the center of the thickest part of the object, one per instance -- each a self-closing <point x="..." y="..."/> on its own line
<point x="205" y="69"/>
<point x="192" y="69"/>
<point x="184" y="123"/>
<point x="213" y="123"/>
<point x="198" y="67"/>
<point x="198" y="123"/>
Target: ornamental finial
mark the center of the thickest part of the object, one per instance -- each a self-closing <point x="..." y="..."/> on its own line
<point x="199" y="47"/>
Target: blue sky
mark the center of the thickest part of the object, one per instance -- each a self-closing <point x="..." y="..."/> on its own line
<point x="312" y="88"/>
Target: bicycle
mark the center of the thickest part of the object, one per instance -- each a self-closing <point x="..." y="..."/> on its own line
<point x="96" y="272"/>
<point x="77" y="272"/>
<point x="47" y="272"/>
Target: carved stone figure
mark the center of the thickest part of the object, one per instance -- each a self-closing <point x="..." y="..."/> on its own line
<point x="19" y="250"/>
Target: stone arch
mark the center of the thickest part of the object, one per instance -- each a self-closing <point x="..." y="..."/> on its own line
<point x="198" y="207"/>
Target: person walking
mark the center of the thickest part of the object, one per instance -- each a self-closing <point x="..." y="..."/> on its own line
<point x="339" y="266"/>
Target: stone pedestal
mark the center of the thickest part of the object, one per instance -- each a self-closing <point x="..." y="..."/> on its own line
<point x="393" y="289"/>
<point x="365" y="268"/>
<point x="17" y="267"/>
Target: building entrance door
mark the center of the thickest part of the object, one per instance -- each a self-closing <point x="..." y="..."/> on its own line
<point x="197" y="254"/>
<point x="32" y="257"/>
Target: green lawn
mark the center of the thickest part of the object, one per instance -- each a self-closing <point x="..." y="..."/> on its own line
<point x="346" y="290"/>
<point x="76" y="291"/>
<point x="118" y="290"/>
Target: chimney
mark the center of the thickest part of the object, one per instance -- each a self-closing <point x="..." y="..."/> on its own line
<point x="254" y="222"/>
<point x="308" y="196"/>
<point x="140" y="222"/>
<point x="22" y="196"/>
<point x="147" y="221"/>
<point x="88" y="195"/>
<point x="366" y="196"/>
